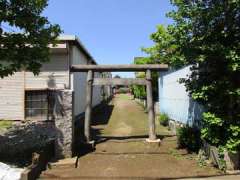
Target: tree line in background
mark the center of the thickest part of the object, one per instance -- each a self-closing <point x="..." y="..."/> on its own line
<point x="206" y="35"/>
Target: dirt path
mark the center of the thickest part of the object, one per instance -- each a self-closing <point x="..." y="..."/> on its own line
<point x="122" y="153"/>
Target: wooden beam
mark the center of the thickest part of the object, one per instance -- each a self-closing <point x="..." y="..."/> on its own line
<point x="150" y="107"/>
<point x="118" y="81"/>
<point x="119" y="68"/>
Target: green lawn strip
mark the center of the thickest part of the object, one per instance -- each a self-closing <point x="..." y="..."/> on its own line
<point x="5" y="124"/>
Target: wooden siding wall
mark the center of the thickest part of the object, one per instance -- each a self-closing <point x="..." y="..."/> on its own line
<point x="12" y="97"/>
<point x="54" y="74"/>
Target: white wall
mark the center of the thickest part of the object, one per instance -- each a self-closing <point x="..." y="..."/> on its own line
<point x="174" y="99"/>
<point x="79" y="84"/>
<point x="12" y="97"/>
<point x="97" y="96"/>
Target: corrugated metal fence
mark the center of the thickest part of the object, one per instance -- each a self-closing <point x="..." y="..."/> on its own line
<point x="174" y="100"/>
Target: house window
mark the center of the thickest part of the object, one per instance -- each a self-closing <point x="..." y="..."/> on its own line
<point x="39" y="105"/>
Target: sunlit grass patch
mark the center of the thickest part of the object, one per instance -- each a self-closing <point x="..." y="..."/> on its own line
<point x="125" y="96"/>
<point x="4" y="124"/>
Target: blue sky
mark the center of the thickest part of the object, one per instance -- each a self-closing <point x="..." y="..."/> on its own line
<point x="112" y="30"/>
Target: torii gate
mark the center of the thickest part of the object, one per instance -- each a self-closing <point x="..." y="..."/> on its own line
<point x="91" y="81"/>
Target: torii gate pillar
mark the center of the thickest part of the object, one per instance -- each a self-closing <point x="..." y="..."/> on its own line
<point x="150" y="108"/>
<point x="88" y="112"/>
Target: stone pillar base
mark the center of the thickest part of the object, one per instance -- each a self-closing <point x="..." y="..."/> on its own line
<point x="153" y="140"/>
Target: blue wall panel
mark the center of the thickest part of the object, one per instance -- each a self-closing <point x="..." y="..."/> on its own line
<point x="174" y="100"/>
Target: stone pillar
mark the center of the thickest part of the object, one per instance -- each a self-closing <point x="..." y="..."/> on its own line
<point x="150" y="109"/>
<point x="64" y="124"/>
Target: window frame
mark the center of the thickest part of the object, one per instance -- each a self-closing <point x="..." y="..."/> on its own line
<point x="35" y="100"/>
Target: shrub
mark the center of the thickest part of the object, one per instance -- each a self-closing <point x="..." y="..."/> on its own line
<point x="164" y="119"/>
<point x="189" y="137"/>
<point x="139" y="91"/>
<point x="200" y="36"/>
<point x="123" y="90"/>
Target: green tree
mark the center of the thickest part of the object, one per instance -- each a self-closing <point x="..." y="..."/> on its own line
<point x="206" y="35"/>
<point x="28" y="47"/>
<point x="165" y="50"/>
<point x="139" y="91"/>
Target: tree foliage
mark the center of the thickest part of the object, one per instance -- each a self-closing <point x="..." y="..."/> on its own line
<point x="165" y="50"/>
<point x="206" y="35"/>
<point x="28" y="47"/>
<point x="139" y="91"/>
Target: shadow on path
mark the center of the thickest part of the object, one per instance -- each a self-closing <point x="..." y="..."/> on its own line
<point x="100" y="117"/>
<point x="100" y="121"/>
<point x="211" y="177"/>
<point x="102" y="138"/>
<point x="101" y="114"/>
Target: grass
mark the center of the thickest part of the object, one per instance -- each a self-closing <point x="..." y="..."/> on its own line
<point x="124" y="96"/>
<point x="175" y="153"/>
<point x="5" y="124"/>
<point x="128" y="113"/>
